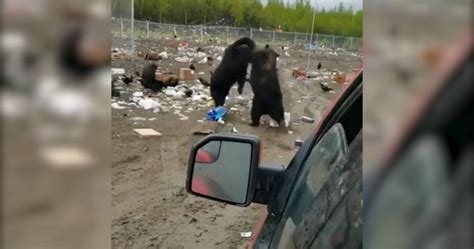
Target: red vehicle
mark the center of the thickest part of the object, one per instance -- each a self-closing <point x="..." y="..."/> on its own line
<point x="421" y="194"/>
<point x="307" y="200"/>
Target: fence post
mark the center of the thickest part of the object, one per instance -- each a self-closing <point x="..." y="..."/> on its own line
<point x="227" y="35"/>
<point x="333" y="41"/>
<point x="174" y="29"/>
<point x="350" y="48"/>
<point x="121" y="27"/>
<point x="295" y="37"/>
<point x="251" y="33"/>
<point x="202" y="33"/>
<point x="148" y="29"/>
<point x="273" y="36"/>
<point x="317" y="39"/>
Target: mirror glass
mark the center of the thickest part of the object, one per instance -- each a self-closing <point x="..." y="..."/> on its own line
<point x="222" y="169"/>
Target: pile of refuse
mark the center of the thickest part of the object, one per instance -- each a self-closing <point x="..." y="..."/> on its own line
<point x="180" y="100"/>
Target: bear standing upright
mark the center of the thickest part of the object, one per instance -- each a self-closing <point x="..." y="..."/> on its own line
<point x="268" y="98"/>
<point x="233" y="68"/>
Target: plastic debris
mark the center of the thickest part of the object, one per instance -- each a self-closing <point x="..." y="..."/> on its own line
<point x="163" y="55"/>
<point x="118" y="71"/>
<point x="287" y="117"/>
<point x="137" y="119"/>
<point x="117" y="106"/>
<point x="307" y="119"/>
<point x="216" y="114"/>
<point x="246" y="234"/>
<point x="203" y="61"/>
<point x="149" y="104"/>
<point x="183" y="59"/>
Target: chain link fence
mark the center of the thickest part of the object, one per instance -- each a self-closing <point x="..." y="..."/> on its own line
<point x="151" y="30"/>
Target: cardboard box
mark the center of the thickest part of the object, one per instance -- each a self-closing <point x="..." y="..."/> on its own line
<point x="186" y="74"/>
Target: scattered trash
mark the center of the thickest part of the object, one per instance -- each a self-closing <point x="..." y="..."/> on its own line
<point x="216" y="114"/>
<point x="287" y="54"/>
<point x="137" y="94"/>
<point x="137" y="119"/>
<point x="170" y="92"/>
<point x="183" y="59"/>
<point x="118" y="71"/>
<point x="147" y="132"/>
<point x="287" y="117"/>
<point x="340" y="78"/>
<point x="186" y="74"/>
<point x="207" y="132"/>
<point x="151" y="119"/>
<point x="246" y="234"/>
<point x="203" y="61"/>
<point x="234" y="130"/>
<point x="298" y="73"/>
<point x="163" y="55"/>
<point x="273" y="123"/>
<point x="298" y="143"/>
<point x="117" y="106"/>
<point x="210" y="103"/>
<point x="149" y="104"/>
<point x="307" y="119"/>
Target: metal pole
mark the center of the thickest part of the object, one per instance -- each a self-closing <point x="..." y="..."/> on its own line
<point x="148" y="29"/>
<point x="202" y="33"/>
<point x="121" y="27"/>
<point x="227" y="35"/>
<point x="295" y="37"/>
<point x="352" y="38"/>
<point x="333" y="41"/>
<point x="311" y="40"/>
<point x="251" y="33"/>
<point x="273" y="36"/>
<point x="132" y="39"/>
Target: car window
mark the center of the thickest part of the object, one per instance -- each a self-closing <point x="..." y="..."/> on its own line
<point x="317" y="169"/>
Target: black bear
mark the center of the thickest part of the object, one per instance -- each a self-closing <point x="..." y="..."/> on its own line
<point x="233" y="68"/>
<point x="149" y="81"/>
<point x="268" y="98"/>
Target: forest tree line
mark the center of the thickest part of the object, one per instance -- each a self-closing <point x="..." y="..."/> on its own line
<point x="340" y="20"/>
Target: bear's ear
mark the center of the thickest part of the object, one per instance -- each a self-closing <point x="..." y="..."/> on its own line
<point x="267" y="46"/>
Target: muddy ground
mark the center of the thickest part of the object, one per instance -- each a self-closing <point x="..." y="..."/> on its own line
<point x="151" y="208"/>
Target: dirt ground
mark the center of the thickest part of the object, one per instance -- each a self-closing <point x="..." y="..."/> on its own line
<point x="151" y="208"/>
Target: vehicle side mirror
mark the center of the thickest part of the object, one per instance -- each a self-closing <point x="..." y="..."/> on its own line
<point x="223" y="167"/>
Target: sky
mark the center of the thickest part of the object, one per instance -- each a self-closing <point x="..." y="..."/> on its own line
<point x="329" y="4"/>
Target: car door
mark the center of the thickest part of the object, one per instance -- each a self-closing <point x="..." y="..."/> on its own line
<point x="345" y="118"/>
<point x="324" y="208"/>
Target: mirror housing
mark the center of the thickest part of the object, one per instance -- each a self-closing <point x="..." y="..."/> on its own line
<point x="223" y="167"/>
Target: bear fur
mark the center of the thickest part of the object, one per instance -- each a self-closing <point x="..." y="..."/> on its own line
<point x="232" y="68"/>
